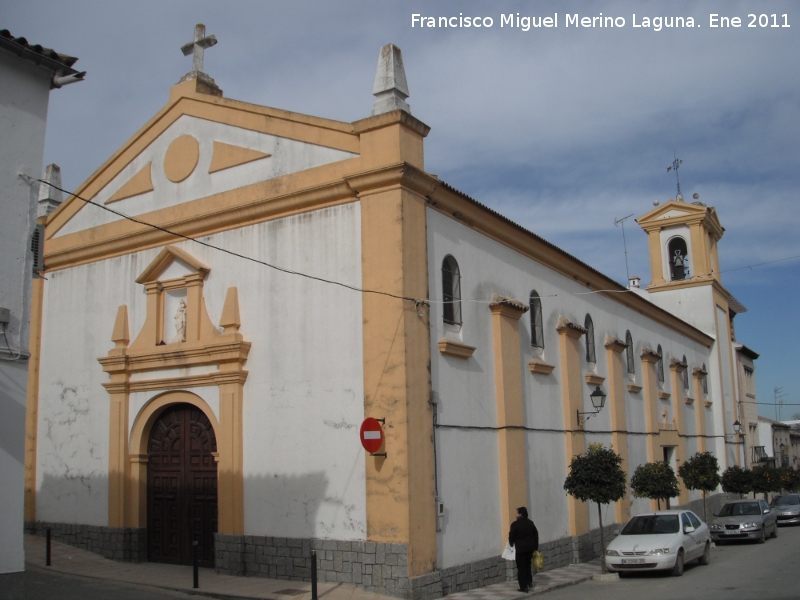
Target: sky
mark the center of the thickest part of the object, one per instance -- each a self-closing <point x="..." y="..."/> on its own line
<point x="562" y="129"/>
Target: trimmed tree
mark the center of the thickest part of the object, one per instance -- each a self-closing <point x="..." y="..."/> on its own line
<point x="701" y="472"/>
<point x="789" y="478"/>
<point x="596" y="476"/>
<point x="736" y="480"/>
<point x="765" y="480"/>
<point x="656" y="481"/>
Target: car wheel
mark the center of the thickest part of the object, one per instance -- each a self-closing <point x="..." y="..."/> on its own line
<point x="763" y="537"/>
<point x="775" y="531"/>
<point x="677" y="570"/>
<point x="706" y="558"/>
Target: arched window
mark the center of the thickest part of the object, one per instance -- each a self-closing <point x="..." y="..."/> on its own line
<point x="629" y="353"/>
<point x="685" y="374"/>
<point x="705" y="380"/>
<point x="678" y="259"/>
<point x="590" y="355"/>
<point x="451" y="291"/>
<point x="660" y="365"/>
<point x="537" y="331"/>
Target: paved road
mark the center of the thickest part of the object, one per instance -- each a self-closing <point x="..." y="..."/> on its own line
<point x="41" y="584"/>
<point x="769" y="571"/>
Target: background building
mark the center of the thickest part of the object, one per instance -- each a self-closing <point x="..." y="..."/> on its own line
<point x="27" y="74"/>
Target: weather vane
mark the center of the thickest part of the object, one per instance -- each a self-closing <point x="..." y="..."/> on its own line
<point x="676" y="164"/>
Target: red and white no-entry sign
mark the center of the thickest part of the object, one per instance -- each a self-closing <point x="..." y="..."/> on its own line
<point x="371" y="435"/>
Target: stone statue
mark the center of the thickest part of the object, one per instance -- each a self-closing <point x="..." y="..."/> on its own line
<point x="180" y="324"/>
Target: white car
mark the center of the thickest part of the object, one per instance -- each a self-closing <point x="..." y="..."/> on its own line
<point x="666" y="539"/>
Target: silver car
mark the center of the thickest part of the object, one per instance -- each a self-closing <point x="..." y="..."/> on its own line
<point x="662" y="540"/>
<point x="750" y="520"/>
<point x="787" y="508"/>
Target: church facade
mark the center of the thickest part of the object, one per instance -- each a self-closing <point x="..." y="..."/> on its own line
<point x="237" y="288"/>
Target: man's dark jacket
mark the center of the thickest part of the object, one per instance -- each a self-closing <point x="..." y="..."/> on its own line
<point x="524" y="535"/>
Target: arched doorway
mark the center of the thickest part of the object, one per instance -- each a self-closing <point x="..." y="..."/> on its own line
<point x="181" y="486"/>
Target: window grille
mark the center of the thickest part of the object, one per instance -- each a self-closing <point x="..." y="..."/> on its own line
<point x="37" y="249"/>
<point x="537" y="330"/>
<point x="590" y="354"/>
<point x="629" y="353"/>
<point x="451" y="291"/>
<point x="660" y="365"/>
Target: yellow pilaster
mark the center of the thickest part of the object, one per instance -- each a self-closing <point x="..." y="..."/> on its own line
<point x="700" y="408"/>
<point x="677" y="369"/>
<point x="650" y="385"/>
<point x="616" y="405"/>
<point x="572" y="386"/>
<point x="397" y="385"/>
<point x="510" y="413"/>
<point x="32" y="410"/>
<point x="656" y="266"/>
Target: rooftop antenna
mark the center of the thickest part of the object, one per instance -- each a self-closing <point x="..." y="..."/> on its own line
<point x="779" y="395"/>
<point x="624" y="243"/>
<point x="676" y="164"/>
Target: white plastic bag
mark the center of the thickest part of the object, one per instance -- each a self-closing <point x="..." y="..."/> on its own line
<point x="510" y="553"/>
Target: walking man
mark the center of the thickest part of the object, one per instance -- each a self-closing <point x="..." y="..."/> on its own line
<point x="524" y="537"/>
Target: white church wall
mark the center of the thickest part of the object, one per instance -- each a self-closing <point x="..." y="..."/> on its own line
<point x="466" y="393"/>
<point x="304" y="470"/>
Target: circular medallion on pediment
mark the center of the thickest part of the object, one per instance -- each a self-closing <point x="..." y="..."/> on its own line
<point x="181" y="158"/>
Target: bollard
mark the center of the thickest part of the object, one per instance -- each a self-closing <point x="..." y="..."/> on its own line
<point x="313" y="575"/>
<point x="47" y="551"/>
<point x="195" y="548"/>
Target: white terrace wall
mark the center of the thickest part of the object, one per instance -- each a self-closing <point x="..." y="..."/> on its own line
<point x="467" y="459"/>
<point x="304" y="470"/>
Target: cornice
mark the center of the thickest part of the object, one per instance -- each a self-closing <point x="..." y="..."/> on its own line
<point x="507" y="307"/>
<point x="179" y="355"/>
<point x="455" y="349"/>
<point x="570" y="329"/>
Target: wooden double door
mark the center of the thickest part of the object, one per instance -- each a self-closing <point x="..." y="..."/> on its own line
<point x="181" y="486"/>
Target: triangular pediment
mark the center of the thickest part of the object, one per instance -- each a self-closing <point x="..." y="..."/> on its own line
<point x="673" y="208"/>
<point x="202" y="146"/>
<point x="172" y="262"/>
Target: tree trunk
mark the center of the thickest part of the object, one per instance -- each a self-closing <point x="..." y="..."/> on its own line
<point x="602" y="541"/>
<point x="705" y="514"/>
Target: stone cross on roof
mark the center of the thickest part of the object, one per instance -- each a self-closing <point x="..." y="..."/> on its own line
<point x="198" y="46"/>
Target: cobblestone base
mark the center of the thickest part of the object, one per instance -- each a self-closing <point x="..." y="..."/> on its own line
<point x="118" y="543"/>
<point x="381" y="568"/>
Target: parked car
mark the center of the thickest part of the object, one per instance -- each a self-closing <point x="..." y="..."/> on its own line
<point x="787" y="508"/>
<point x="666" y="539"/>
<point x="750" y="520"/>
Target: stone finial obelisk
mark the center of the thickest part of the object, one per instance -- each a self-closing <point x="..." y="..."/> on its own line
<point x="50" y="196"/>
<point x="390" y="89"/>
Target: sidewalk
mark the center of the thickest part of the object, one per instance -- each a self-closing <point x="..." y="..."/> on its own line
<point x="73" y="561"/>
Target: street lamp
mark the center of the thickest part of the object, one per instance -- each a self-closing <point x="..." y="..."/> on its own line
<point x="598" y="398"/>
<point x="737" y="427"/>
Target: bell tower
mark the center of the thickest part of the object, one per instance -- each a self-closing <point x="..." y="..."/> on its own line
<point x="682" y="238"/>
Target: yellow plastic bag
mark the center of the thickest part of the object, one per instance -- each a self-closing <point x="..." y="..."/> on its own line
<point x="538" y="561"/>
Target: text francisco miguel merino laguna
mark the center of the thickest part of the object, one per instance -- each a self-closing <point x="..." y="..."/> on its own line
<point x="526" y="22"/>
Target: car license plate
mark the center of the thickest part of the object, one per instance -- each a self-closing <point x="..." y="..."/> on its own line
<point x="733" y="532"/>
<point x="632" y="561"/>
